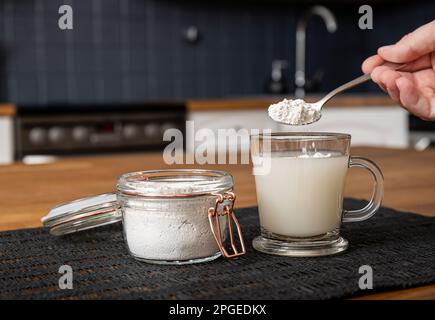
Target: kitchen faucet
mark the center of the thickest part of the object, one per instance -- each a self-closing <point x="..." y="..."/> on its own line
<point x="301" y="30"/>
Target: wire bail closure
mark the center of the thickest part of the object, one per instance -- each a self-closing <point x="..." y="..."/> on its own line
<point x="227" y="210"/>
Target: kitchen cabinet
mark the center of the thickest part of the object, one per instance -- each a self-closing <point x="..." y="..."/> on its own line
<point x="6" y="139"/>
<point x="374" y="126"/>
<point x="251" y="119"/>
<point x="383" y="126"/>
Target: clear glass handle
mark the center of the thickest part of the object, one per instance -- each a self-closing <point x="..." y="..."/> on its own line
<point x="378" y="191"/>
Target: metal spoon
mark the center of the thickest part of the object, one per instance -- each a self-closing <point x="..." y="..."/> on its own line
<point x="317" y="106"/>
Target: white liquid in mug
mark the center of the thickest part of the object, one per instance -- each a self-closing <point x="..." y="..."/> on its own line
<point x="302" y="196"/>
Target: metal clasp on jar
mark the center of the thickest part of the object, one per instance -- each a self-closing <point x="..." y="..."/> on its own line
<point x="227" y="210"/>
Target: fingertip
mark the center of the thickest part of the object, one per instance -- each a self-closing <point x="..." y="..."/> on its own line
<point x="370" y="63"/>
<point x="377" y="72"/>
<point x="376" y="78"/>
<point x="382" y="51"/>
<point x="375" y="75"/>
<point x="408" y="94"/>
<point x="364" y="67"/>
<point x="403" y="84"/>
<point x="393" y="53"/>
<point x="401" y="52"/>
<point x="388" y="78"/>
<point x="397" y="53"/>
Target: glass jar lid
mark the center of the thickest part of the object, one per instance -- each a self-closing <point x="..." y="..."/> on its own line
<point x="104" y="209"/>
<point x="174" y="183"/>
<point x="83" y="214"/>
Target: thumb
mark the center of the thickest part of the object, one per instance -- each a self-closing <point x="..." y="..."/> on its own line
<point x="412" y="46"/>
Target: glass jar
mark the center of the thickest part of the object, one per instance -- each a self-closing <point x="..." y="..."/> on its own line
<point x="177" y="216"/>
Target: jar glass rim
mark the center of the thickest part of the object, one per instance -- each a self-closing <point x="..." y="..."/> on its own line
<point x="301" y="136"/>
<point x="174" y="182"/>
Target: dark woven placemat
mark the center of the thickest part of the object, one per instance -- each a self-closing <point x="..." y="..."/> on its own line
<point x="400" y="248"/>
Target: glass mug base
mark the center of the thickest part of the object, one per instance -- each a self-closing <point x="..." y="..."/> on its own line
<point x="325" y="245"/>
<point x="179" y="262"/>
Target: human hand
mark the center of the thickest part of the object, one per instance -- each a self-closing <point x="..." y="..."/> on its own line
<point x="414" y="85"/>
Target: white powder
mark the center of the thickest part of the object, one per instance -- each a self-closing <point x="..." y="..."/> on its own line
<point x="315" y="155"/>
<point x="294" y="112"/>
<point x="172" y="229"/>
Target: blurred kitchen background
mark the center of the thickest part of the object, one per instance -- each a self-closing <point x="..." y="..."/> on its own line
<point x="130" y="69"/>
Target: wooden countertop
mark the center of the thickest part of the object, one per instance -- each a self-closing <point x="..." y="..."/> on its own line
<point x="27" y="192"/>
<point x="260" y="102"/>
<point x="7" y="109"/>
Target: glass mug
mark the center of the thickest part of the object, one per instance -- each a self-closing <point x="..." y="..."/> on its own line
<point x="299" y="180"/>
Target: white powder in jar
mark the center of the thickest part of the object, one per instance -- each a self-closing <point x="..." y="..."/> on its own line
<point x="170" y="229"/>
<point x="294" y="112"/>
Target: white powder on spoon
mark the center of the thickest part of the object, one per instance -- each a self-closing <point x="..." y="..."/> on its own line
<point x="294" y="112"/>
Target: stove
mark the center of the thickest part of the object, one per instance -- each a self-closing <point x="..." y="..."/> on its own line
<point x="67" y="130"/>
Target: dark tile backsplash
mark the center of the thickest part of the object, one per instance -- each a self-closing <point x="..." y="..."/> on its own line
<point x="134" y="50"/>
